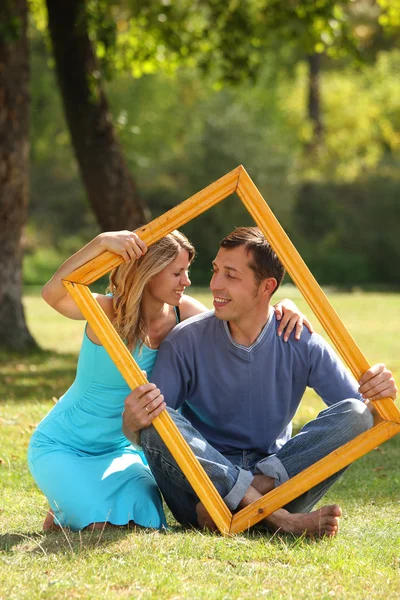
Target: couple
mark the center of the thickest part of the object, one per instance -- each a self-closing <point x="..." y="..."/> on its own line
<point x="237" y="382"/>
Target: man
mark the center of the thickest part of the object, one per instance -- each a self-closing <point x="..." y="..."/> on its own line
<point x="238" y="387"/>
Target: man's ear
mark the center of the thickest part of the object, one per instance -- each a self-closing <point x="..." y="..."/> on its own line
<point x="268" y="286"/>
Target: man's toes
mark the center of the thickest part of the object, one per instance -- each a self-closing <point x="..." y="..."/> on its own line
<point x="333" y="510"/>
<point x="332" y="521"/>
<point x="329" y="527"/>
<point x="330" y="533"/>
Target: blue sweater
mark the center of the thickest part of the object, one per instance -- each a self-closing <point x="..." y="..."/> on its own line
<point x="244" y="398"/>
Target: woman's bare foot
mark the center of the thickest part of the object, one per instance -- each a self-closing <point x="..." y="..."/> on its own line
<point x="324" y="521"/>
<point x="107" y="525"/>
<point x="48" y="523"/>
<point x="93" y="526"/>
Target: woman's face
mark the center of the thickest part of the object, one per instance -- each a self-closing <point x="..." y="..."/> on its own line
<point x="169" y="285"/>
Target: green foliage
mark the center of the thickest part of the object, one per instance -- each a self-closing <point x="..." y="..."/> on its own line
<point x="361" y="117"/>
<point x="389" y="18"/>
<point x="10" y="29"/>
<point x="348" y="233"/>
<point x="232" y="40"/>
<point x="346" y="215"/>
<point x="40" y="263"/>
<point x="38" y="14"/>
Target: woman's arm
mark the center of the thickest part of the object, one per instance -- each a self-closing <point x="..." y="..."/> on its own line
<point x="125" y="243"/>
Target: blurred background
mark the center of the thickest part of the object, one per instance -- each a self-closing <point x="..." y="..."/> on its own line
<point x="136" y="105"/>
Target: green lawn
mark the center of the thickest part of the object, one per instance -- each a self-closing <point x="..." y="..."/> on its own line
<point x="362" y="562"/>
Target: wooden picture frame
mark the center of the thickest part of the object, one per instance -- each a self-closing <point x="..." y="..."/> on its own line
<point x="387" y="423"/>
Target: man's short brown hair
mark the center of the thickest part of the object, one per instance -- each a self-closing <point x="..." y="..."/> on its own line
<point x="264" y="262"/>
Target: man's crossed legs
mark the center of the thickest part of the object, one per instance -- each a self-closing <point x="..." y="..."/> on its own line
<point x="243" y="477"/>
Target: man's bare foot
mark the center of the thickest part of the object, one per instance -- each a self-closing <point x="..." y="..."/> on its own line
<point x="49" y="522"/>
<point x="203" y="518"/>
<point x="324" y="521"/>
<point x="319" y="523"/>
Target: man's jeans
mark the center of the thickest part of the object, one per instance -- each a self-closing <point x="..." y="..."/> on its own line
<point x="232" y="473"/>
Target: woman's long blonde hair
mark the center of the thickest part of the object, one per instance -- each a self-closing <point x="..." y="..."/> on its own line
<point x="128" y="281"/>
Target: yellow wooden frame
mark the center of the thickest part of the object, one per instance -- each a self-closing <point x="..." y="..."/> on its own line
<point x="388" y="415"/>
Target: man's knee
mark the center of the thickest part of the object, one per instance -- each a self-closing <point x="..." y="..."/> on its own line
<point x="150" y="438"/>
<point x="357" y="416"/>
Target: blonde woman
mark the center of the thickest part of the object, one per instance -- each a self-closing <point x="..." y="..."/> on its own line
<point x="78" y="455"/>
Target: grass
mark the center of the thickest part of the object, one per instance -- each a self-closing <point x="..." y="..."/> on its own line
<point x="363" y="562"/>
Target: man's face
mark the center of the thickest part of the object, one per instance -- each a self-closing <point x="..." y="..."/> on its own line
<point x="236" y="293"/>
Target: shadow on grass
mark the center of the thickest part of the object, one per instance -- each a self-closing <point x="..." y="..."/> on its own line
<point x="67" y="541"/>
<point x="38" y="376"/>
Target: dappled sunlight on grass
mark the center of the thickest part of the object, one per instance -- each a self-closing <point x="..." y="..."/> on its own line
<point x="40" y="376"/>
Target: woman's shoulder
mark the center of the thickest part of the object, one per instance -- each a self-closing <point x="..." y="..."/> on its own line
<point x="106" y="303"/>
<point x="190" y="307"/>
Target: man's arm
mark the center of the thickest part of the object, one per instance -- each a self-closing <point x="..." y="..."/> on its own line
<point x="332" y="381"/>
<point x="172" y="371"/>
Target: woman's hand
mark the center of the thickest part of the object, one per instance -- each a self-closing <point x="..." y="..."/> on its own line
<point x="290" y="318"/>
<point x="125" y="243"/>
<point x="142" y="406"/>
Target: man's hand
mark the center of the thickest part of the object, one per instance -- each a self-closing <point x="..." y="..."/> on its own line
<point x="377" y="383"/>
<point x="142" y="406"/>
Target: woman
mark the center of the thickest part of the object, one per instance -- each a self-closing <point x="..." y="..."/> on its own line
<point x="78" y="455"/>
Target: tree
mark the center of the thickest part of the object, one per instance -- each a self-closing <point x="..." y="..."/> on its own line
<point x="109" y="185"/>
<point x="14" y="181"/>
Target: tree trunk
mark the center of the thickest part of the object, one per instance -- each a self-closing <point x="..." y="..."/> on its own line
<point x="109" y="185"/>
<point x="14" y="157"/>
<point x="314" y="100"/>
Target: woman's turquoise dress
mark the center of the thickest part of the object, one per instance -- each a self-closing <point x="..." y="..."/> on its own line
<point x="81" y="460"/>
